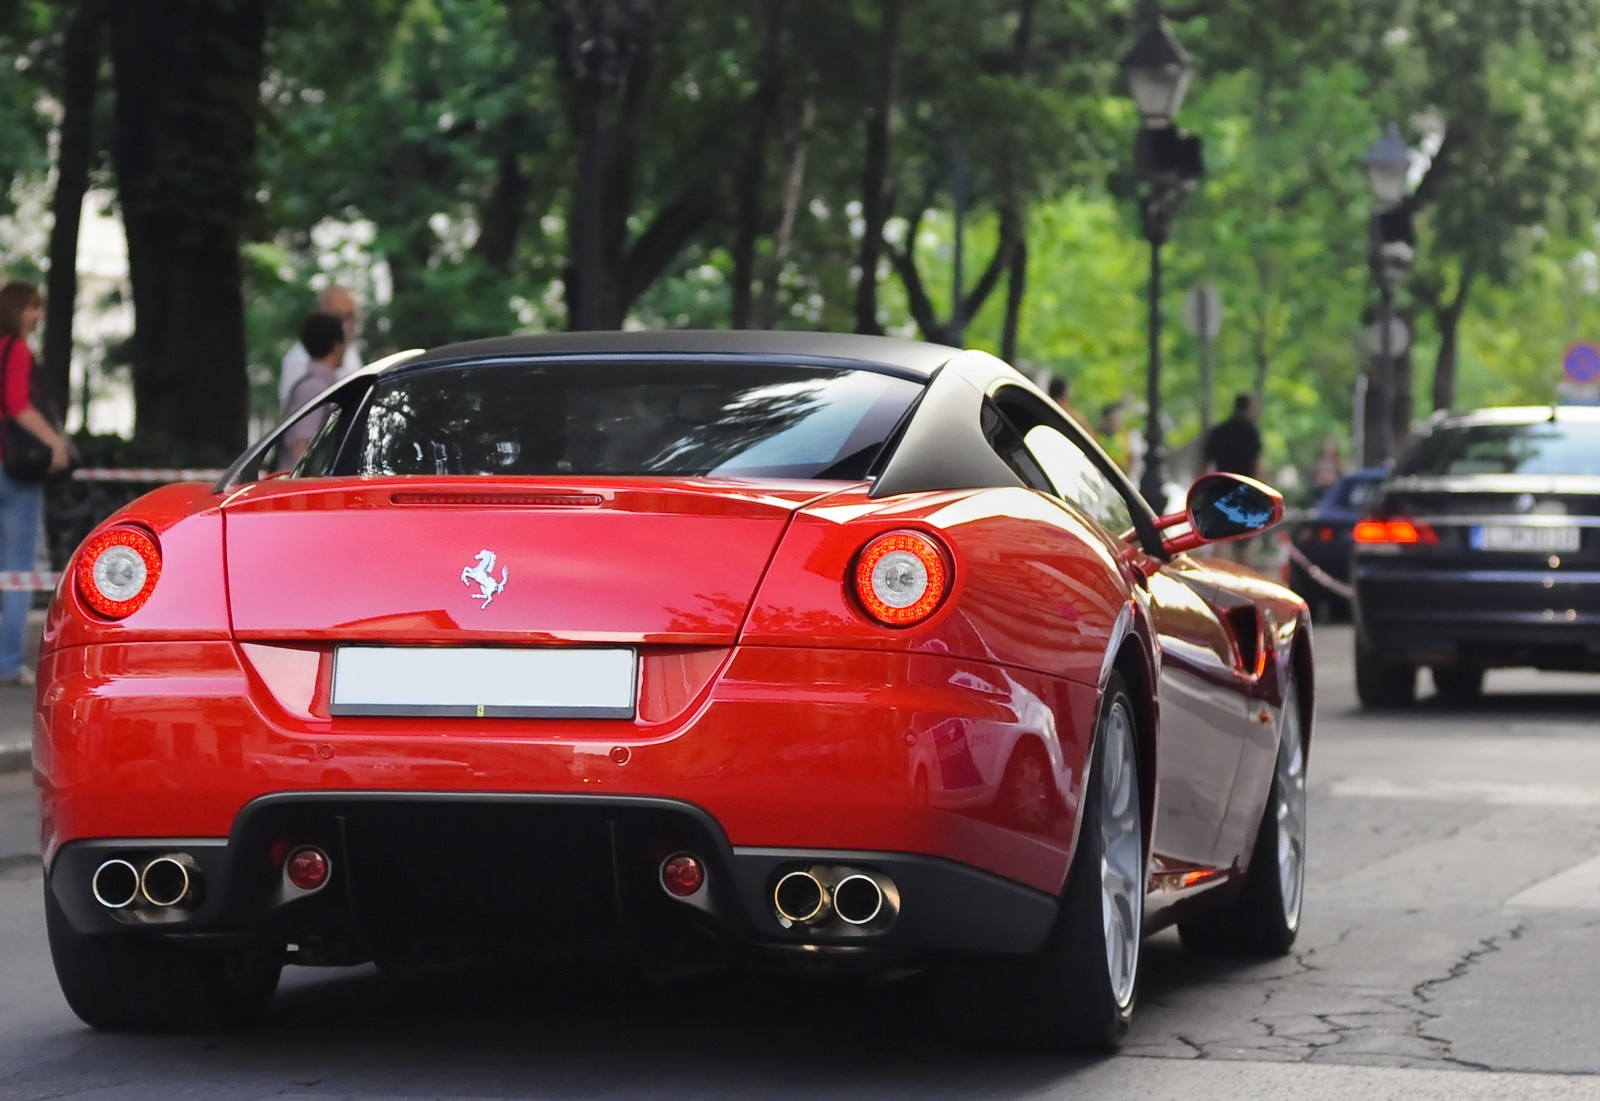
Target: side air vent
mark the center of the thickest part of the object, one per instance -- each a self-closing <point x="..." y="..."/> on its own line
<point x="1246" y="627"/>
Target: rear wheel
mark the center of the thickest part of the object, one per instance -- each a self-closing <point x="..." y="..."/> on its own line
<point x="140" y="984"/>
<point x="1078" y="993"/>
<point x="1383" y="684"/>
<point x="1457" y="683"/>
<point x="1265" y="917"/>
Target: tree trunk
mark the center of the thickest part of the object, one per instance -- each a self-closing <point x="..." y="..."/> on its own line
<point x="187" y="77"/>
<point x="875" y="176"/>
<point x="751" y="184"/>
<point x="82" y="51"/>
<point x="1448" y="321"/>
<point x="1016" y="287"/>
<point x="797" y="136"/>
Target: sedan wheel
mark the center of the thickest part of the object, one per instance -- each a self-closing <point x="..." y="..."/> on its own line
<point x="1383" y="684"/>
<point x="1458" y="683"/>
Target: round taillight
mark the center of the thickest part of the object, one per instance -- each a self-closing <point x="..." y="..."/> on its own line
<point x="307" y="868"/>
<point x="117" y="570"/>
<point x="682" y="875"/>
<point x="902" y="578"/>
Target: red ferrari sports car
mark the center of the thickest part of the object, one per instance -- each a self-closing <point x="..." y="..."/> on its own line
<point x="828" y="647"/>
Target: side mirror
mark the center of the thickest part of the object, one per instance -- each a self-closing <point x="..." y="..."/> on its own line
<point x="1222" y="507"/>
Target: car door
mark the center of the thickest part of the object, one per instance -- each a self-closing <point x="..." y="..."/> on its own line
<point x="1198" y="745"/>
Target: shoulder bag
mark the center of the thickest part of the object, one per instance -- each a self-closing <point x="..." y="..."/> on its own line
<point x="25" y="456"/>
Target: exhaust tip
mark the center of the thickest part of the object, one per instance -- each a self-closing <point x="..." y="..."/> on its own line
<point x="800" y="898"/>
<point x="115" y="884"/>
<point x="167" y="881"/>
<point x="857" y="899"/>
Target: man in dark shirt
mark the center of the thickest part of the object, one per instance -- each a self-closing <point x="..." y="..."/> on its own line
<point x="1235" y="444"/>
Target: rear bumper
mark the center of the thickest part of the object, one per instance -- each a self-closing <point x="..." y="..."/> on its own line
<point x="1489" y="618"/>
<point x="776" y="748"/>
<point x="534" y="871"/>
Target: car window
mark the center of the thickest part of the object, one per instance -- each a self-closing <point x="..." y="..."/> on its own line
<point x="1544" y="447"/>
<point x="717" y="418"/>
<point x="324" y="445"/>
<point x="1077" y="479"/>
<point x="1354" y="493"/>
<point x="1048" y="455"/>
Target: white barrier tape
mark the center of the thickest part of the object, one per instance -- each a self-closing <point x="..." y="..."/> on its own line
<point x="1321" y="576"/>
<point x="145" y="474"/>
<point x="12" y="581"/>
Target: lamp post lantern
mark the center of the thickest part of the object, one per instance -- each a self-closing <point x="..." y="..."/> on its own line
<point x="1167" y="166"/>
<point x="1392" y="242"/>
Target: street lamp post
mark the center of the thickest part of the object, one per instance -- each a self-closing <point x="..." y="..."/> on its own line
<point x="1392" y="242"/>
<point x="1167" y="165"/>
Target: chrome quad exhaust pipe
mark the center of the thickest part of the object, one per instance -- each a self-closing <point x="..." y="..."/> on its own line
<point x="820" y="894"/>
<point x="169" y="880"/>
<point x="115" y="884"/>
<point x="166" y="881"/>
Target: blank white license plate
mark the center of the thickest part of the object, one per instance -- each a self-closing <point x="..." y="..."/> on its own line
<point x="1538" y="540"/>
<point x="485" y="682"/>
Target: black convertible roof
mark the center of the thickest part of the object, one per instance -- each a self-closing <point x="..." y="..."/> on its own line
<point x="912" y="357"/>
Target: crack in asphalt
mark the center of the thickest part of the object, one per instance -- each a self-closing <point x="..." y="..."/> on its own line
<point x="1405" y="1016"/>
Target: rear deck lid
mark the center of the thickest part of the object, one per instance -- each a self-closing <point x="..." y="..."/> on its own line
<point x="455" y="560"/>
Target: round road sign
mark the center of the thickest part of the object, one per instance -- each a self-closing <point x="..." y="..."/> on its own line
<point x="1581" y="362"/>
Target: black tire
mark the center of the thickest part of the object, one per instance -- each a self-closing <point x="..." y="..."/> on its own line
<point x="1258" y="921"/>
<point x="1457" y="683"/>
<point x="1063" y="999"/>
<point x="140" y="984"/>
<point x="1381" y="684"/>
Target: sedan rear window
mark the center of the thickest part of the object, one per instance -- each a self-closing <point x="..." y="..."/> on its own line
<point x="721" y="419"/>
<point x="1545" y="447"/>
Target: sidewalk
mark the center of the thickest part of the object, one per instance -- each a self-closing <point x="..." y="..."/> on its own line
<point x="16" y="709"/>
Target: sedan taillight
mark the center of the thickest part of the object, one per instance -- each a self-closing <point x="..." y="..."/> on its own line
<point x="117" y="570"/>
<point x="1394" y="532"/>
<point x="901" y="578"/>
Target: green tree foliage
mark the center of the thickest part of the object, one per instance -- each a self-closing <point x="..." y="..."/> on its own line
<point x="464" y="164"/>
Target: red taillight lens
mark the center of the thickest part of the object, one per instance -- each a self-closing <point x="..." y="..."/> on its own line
<point x="1403" y="532"/>
<point x="901" y="578"/>
<point x="307" y="868"/>
<point x="117" y="570"/>
<point x="682" y="875"/>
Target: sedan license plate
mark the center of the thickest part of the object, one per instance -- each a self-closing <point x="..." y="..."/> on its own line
<point x="1534" y="540"/>
<point x="485" y="682"/>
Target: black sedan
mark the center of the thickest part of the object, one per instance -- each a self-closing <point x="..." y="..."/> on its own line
<point x="1482" y="552"/>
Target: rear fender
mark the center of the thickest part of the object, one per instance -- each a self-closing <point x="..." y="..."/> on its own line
<point x="189" y="599"/>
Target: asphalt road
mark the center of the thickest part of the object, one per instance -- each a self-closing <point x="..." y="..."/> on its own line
<point x="1451" y="949"/>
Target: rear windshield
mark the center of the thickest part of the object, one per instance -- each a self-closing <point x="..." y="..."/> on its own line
<point x="1546" y="447"/>
<point x="724" y="419"/>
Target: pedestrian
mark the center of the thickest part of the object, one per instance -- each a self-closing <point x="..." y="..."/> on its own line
<point x="21" y="503"/>
<point x="1234" y="446"/>
<point x="338" y="302"/>
<point x="1328" y="468"/>
<point x="322" y="335"/>
<point x="1060" y="391"/>
<point x="1114" y="437"/>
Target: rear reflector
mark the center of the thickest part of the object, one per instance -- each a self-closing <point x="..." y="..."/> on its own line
<point x="307" y="868"/>
<point x="682" y="875"/>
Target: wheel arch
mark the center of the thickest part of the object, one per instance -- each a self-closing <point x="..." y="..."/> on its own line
<point x="1133" y="663"/>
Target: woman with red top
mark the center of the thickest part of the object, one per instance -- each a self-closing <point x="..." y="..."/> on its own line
<point x="21" y="504"/>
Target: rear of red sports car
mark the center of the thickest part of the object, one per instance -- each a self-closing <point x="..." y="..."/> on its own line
<point x="462" y="689"/>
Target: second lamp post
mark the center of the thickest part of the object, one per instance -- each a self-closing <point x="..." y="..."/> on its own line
<point x="1167" y="166"/>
